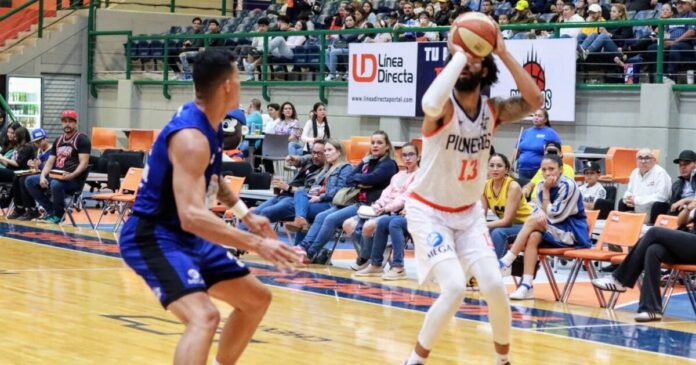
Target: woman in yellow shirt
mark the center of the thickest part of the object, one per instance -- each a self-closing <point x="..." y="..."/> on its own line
<point x="503" y="195"/>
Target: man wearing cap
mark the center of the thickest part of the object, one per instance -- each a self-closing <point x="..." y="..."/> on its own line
<point x="70" y="154"/>
<point x="522" y="16"/>
<point x="648" y="184"/>
<point x="591" y="190"/>
<point x="684" y="188"/>
<point x="679" y="46"/>
<point x="25" y="204"/>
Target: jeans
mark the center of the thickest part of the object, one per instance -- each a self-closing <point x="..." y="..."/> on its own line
<point x="277" y="209"/>
<point x="596" y="42"/>
<point x="184" y="57"/>
<point x="307" y="210"/>
<point x="393" y="226"/>
<point x="332" y="58"/>
<point x="502" y="236"/>
<point x="674" y="56"/>
<point x="324" y="226"/>
<point x="295" y="148"/>
<point x="59" y="188"/>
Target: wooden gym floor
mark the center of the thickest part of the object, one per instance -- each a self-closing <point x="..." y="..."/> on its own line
<point x="67" y="298"/>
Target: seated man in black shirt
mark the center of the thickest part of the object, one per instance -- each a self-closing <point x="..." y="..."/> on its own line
<point x="70" y="153"/>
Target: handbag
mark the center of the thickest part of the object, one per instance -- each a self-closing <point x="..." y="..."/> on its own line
<point x="346" y="196"/>
<point x="366" y="212"/>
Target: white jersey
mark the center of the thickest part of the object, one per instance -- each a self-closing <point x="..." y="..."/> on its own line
<point x="454" y="162"/>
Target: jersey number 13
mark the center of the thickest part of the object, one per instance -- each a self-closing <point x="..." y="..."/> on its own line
<point x="469" y="170"/>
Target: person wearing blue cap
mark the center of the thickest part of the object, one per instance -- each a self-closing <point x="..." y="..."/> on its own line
<point x="26" y="205"/>
<point x="233" y="136"/>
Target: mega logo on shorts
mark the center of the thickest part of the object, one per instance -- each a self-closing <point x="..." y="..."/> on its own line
<point x="435" y="241"/>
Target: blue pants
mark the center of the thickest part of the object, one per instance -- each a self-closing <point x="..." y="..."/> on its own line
<point x="596" y="42"/>
<point x="59" y="188"/>
<point x="526" y="174"/>
<point x="307" y="210"/>
<point x="325" y="224"/>
<point x="502" y="236"/>
<point x="332" y="58"/>
<point x="393" y="226"/>
<point x="280" y="208"/>
<point x="674" y="56"/>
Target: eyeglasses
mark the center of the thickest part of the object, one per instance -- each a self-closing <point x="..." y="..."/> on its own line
<point x="408" y="154"/>
<point x="644" y="158"/>
<point x="317" y="153"/>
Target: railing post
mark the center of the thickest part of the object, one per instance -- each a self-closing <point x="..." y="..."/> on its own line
<point x="223" y="7"/>
<point x="128" y="57"/>
<point x="264" y="70"/>
<point x="41" y="18"/>
<point x="659" y="57"/>
<point x="322" y="69"/>
<point x="172" y="6"/>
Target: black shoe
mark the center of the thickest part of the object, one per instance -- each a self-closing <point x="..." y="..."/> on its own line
<point x="16" y="213"/>
<point x="610" y="268"/>
<point x="29" y="214"/>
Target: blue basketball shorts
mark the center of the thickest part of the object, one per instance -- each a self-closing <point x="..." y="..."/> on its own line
<point x="174" y="263"/>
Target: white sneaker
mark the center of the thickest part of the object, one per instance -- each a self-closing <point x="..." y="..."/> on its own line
<point x="395" y="273"/>
<point x="370" y="270"/>
<point x="329" y="78"/>
<point x="609" y="283"/>
<point x="523" y="292"/>
<point x="647" y="317"/>
<point x="357" y="265"/>
<point x="504" y="270"/>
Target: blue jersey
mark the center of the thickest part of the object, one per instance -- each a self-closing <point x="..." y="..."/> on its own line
<point x="156" y="194"/>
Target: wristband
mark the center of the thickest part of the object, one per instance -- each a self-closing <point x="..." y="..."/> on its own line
<point x="240" y="210"/>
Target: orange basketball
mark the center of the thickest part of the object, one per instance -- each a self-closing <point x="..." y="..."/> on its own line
<point x="475" y="33"/>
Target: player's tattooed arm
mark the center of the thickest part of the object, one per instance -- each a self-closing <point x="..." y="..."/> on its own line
<point x="511" y="109"/>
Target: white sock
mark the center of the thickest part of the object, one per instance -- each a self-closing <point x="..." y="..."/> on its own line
<point x="501" y="359"/>
<point x="215" y="362"/>
<point x="508" y="258"/>
<point x="415" y="359"/>
<point x="527" y="279"/>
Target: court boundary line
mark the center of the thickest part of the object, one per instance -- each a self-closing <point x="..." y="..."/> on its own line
<point x="527" y="330"/>
<point x="488" y="332"/>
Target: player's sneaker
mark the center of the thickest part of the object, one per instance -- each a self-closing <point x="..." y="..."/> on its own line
<point x="523" y="292"/>
<point x="504" y="270"/>
<point x="609" y="283"/>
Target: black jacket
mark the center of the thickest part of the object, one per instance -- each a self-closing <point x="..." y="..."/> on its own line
<point x="377" y="176"/>
<point x="678" y="186"/>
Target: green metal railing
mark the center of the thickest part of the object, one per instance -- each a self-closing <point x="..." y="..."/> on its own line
<point x="22" y="7"/>
<point x="6" y="107"/>
<point x="322" y="35"/>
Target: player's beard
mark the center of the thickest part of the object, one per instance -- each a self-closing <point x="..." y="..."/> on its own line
<point x="469" y="84"/>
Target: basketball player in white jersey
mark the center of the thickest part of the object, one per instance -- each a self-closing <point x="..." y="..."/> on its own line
<point x="443" y="210"/>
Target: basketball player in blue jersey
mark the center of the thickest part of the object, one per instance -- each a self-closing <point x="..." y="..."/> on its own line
<point x="173" y="240"/>
<point x="443" y="208"/>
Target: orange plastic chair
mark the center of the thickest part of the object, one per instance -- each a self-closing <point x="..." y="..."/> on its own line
<point x="103" y="138"/>
<point x="549" y="253"/>
<point x="621" y="229"/>
<point x="677" y="271"/>
<point x="359" y="147"/>
<point x="235" y="184"/>
<point x="619" y="164"/>
<point x="140" y="139"/>
<point x="123" y="198"/>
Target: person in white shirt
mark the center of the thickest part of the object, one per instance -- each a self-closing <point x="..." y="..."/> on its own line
<point x="649" y="183"/>
<point x="317" y="127"/>
<point x="569" y="16"/>
<point x="271" y="119"/>
<point x="591" y="190"/>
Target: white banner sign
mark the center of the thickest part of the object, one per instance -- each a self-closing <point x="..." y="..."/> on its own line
<point x="551" y="63"/>
<point x="382" y="79"/>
